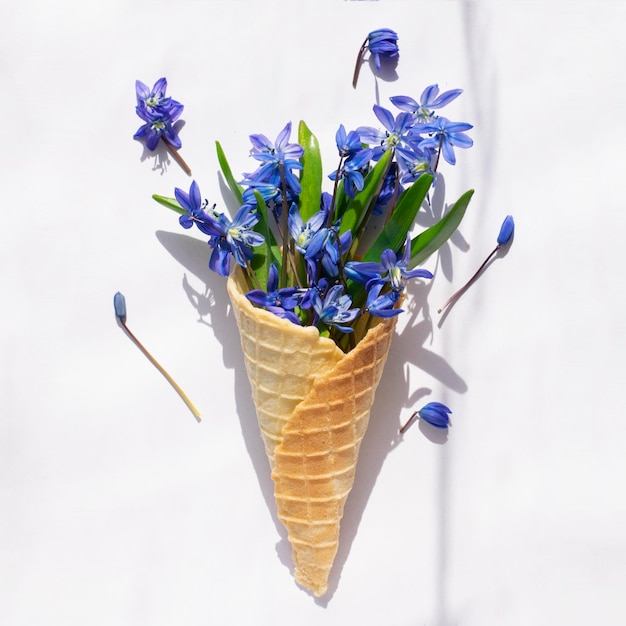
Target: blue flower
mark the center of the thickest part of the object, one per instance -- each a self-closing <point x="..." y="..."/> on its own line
<point x="225" y="237"/>
<point x="155" y="97"/>
<point x="390" y="190"/>
<point x="414" y="162"/>
<point x="429" y="100"/>
<point x="234" y="238"/>
<point x="159" y="124"/>
<point x="397" y="131"/>
<point x="119" y="304"/>
<point x="301" y="232"/>
<point x="281" y="150"/>
<point x="390" y="269"/>
<point x="279" y="159"/>
<point x="208" y="221"/>
<point x="351" y="172"/>
<point x="382" y="306"/>
<point x="348" y="144"/>
<point x="436" y="414"/>
<point x="447" y="134"/>
<point x="335" y="309"/>
<point x="506" y="230"/>
<point x="240" y="236"/>
<point x="280" y="302"/>
<point x="383" y="43"/>
<point x="328" y="246"/>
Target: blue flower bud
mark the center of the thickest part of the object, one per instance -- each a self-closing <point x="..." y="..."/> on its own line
<point x="436" y="414"/>
<point x="506" y="230"/>
<point x="119" y="304"/>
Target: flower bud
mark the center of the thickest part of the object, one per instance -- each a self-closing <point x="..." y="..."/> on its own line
<point x="119" y="304"/>
<point x="506" y="230"/>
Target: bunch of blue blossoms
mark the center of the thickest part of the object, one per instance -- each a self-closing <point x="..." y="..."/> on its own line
<point x="301" y="247"/>
<point x="159" y="113"/>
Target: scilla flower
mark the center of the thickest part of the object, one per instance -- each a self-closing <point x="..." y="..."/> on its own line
<point x="447" y="135"/>
<point x="159" y="124"/>
<point x="226" y="237"/>
<point x="382" y="43"/>
<point x="434" y="413"/>
<point x="154" y="98"/>
<point x="280" y="302"/>
<point x="429" y="100"/>
<point x="159" y="113"/>
<point x="335" y="309"/>
<point x="391" y="269"/>
<point x="278" y="159"/>
<point x="382" y="306"/>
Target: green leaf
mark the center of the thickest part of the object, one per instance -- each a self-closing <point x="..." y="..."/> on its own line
<point x="433" y="238"/>
<point x="170" y="203"/>
<point x="311" y="174"/>
<point x="401" y="221"/>
<point x="359" y="207"/>
<point x="227" y="173"/>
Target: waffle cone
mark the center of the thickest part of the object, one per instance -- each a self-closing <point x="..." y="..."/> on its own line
<point x="313" y="404"/>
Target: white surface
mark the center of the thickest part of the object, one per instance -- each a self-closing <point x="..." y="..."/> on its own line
<point x="117" y="508"/>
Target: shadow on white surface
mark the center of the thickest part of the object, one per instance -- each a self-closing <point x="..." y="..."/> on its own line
<point x="383" y="433"/>
<point x="501" y="253"/>
<point x="213" y="308"/>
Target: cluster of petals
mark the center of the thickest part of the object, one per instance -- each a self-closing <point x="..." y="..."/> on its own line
<point x="417" y="133"/>
<point x="159" y="114"/>
<point x="383" y="42"/>
<point x="278" y="161"/>
<point x="280" y="302"/>
<point x="335" y="308"/>
<point x="316" y="242"/>
<point x="391" y="270"/>
<point x="436" y="414"/>
<point x="227" y="238"/>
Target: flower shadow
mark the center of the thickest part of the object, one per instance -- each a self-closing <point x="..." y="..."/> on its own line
<point x="213" y="307"/>
<point x="393" y="397"/>
<point x="160" y="155"/>
<point x="501" y="253"/>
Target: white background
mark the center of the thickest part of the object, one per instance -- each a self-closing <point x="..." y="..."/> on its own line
<point x="116" y="507"/>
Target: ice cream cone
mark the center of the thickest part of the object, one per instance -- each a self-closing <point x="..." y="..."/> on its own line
<point x="313" y="404"/>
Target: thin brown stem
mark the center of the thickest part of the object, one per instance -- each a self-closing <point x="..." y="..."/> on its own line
<point x="438" y="153"/>
<point x="359" y="61"/>
<point x="285" y="227"/>
<point x="156" y="364"/>
<point x="331" y="210"/>
<point x="411" y="419"/>
<point x="456" y="294"/>
<point x="174" y="152"/>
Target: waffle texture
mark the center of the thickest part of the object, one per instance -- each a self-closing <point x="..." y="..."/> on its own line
<point x="313" y="404"/>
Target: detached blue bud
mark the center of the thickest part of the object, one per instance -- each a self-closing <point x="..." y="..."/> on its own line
<point x="506" y="230"/>
<point x="382" y="42"/>
<point x="436" y="414"/>
<point x="119" y="304"/>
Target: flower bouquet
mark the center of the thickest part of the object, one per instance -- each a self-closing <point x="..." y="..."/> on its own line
<point x="314" y="292"/>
